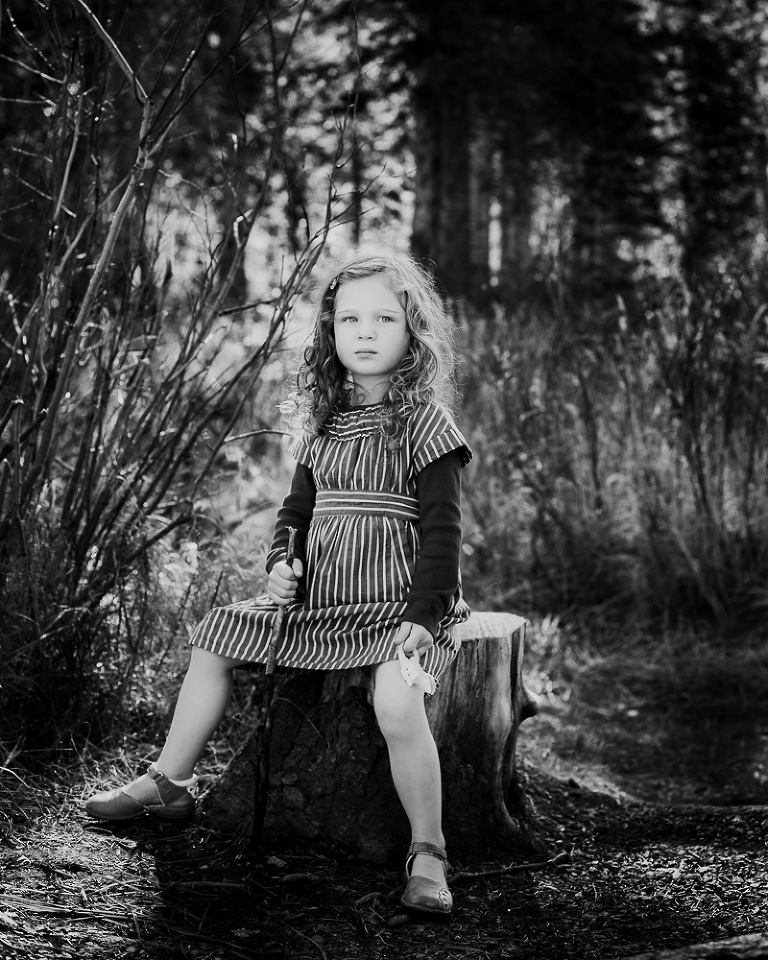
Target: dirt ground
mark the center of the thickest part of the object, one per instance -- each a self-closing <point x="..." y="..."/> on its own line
<point x="650" y="847"/>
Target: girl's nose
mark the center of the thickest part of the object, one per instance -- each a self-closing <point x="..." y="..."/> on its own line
<point x="366" y="332"/>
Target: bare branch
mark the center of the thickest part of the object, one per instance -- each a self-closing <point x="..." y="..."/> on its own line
<point x="256" y="433"/>
<point x="115" y="51"/>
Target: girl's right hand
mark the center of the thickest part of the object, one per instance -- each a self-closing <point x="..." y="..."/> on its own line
<point x="284" y="581"/>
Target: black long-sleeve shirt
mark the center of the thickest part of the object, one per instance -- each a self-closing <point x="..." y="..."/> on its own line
<point x="436" y="576"/>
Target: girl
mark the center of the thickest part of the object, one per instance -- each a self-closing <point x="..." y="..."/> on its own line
<point x="375" y="582"/>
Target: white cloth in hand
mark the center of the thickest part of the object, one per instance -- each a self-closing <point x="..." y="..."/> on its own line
<point x="413" y="673"/>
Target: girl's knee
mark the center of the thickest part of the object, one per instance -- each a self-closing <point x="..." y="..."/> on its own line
<point x="399" y="708"/>
<point x="394" y="725"/>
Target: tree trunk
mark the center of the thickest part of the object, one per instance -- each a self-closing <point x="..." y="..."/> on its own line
<point x="453" y="253"/>
<point x="441" y="219"/>
<point x="479" y="212"/>
<point x="443" y="131"/>
<point x="516" y="201"/>
<point x="329" y="769"/>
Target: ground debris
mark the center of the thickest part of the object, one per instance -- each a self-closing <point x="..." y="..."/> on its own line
<point x="623" y="879"/>
<point x="749" y="947"/>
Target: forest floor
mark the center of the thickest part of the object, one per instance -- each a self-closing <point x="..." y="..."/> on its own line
<point x="656" y="818"/>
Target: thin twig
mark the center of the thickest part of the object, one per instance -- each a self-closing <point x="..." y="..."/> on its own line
<point x="6" y="945"/>
<point x="116" y="52"/>
<point x="74" y="913"/>
<point x="204" y="885"/>
<point x="313" y="942"/>
<point x="255" y="433"/>
<point x="368" y="898"/>
<point x="70" y="160"/>
<point x="298" y="878"/>
<point x="241" y="308"/>
<point x="511" y="868"/>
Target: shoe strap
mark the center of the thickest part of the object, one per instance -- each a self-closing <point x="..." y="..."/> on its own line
<point x="430" y="849"/>
<point x="165" y="789"/>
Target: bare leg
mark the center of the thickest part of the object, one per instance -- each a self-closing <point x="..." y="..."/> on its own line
<point x="200" y="707"/>
<point x="413" y="759"/>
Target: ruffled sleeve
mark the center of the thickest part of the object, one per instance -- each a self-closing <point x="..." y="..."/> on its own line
<point x="432" y="433"/>
<point x="300" y="448"/>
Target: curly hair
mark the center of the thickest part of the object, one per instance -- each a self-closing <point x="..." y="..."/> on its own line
<point x="426" y="371"/>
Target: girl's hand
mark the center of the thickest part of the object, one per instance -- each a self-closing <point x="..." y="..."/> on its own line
<point x="413" y="637"/>
<point x="284" y="581"/>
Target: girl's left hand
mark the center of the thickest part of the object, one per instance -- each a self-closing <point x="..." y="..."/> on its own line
<point x="413" y="637"/>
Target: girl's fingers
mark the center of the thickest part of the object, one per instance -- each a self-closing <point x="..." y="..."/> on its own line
<point x="284" y="572"/>
<point x="402" y="633"/>
<point x="280" y="597"/>
<point x="415" y="637"/>
<point x="284" y="581"/>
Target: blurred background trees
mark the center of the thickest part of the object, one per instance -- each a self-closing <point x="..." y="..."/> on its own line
<point x="587" y="180"/>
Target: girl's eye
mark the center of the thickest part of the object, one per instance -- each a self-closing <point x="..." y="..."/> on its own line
<point x="347" y="319"/>
<point x="386" y="318"/>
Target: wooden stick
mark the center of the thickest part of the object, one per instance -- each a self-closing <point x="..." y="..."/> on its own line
<point x="263" y="735"/>
<point x="511" y="868"/>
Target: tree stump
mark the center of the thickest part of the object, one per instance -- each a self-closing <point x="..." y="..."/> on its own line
<point x="329" y="776"/>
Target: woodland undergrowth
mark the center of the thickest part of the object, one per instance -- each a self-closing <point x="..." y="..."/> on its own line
<point x="615" y="492"/>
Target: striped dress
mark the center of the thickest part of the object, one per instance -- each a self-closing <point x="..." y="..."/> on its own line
<point x="361" y="551"/>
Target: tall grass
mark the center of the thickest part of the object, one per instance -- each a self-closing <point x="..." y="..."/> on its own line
<point x="622" y="456"/>
<point x="117" y="393"/>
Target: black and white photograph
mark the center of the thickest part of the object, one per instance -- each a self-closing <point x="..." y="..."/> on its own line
<point x="383" y="480"/>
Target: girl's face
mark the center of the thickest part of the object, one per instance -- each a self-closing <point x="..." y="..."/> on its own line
<point x="371" y="333"/>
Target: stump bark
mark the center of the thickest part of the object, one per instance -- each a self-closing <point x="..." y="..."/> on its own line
<point x="329" y="777"/>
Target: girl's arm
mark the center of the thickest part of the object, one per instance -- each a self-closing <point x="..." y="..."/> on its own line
<point x="295" y="512"/>
<point x="436" y="577"/>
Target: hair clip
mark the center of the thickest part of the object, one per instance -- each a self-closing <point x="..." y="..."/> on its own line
<point x="333" y="284"/>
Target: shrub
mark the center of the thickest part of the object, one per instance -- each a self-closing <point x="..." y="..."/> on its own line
<point x="117" y="388"/>
<point x="623" y="470"/>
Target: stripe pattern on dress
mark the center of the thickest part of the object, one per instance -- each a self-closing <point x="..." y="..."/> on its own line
<point x="336" y="503"/>
<point x="361" y="551"/>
